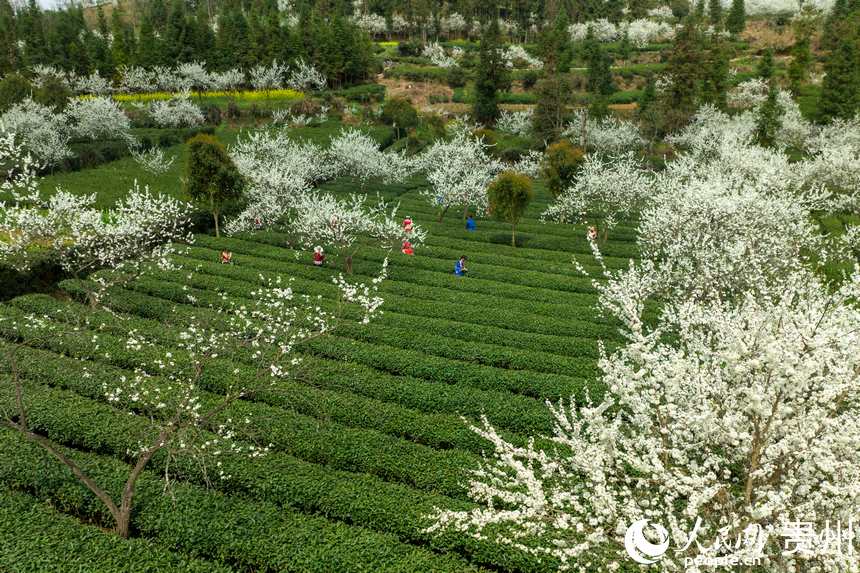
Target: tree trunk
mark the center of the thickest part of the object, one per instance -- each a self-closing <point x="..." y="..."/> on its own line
<point x="465" y="212"/>
<point x="583" y="132"/>
<point x="514" y="235"/>
<point x="217" y="229"/>
<point x="347" y="264"/>
<point x="442" y="213"/>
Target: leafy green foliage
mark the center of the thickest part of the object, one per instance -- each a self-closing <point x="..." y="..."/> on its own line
<point x="14" y="88"/>
<point x="509" y="196"/>
<point x="211" y="176"/>
<point x="399" y="113"/>
<point x="561" y="163"/>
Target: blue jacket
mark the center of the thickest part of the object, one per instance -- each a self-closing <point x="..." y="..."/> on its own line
<point x="470" y="224"/>
<point x="458" y="269"/>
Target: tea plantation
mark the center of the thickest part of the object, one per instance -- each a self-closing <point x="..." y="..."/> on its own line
<point x="367" y="440"/>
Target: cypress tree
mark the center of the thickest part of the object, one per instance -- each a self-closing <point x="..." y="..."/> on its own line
<point x="798" y="69"/>
<point x="685" y="68"/>
<point x="715" y="84"/>
<point x="638" y="8"/>
<point x="9" y="60"/>
<point x="491" y="71"/>
<point x="614" y="10"/>
<point x="100" y="51"/>
<point x="600" y="81"/>
<point x="840" y="90"/>
<point x="736" y="20"/>
<point x="764" y="70"/>
<point x="31" y="29"/>
<point x="123" y="46"/>
<point x="148" y="46"/>
<point x="769" y="121"/>
<point x="715" y="13"/>
<point x="625" y="48"/>
<point x="553" y="90"/>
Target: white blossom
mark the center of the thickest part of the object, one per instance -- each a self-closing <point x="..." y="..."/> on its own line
<point x="97" y="118"/>
<point x="178" y="111"/>
<point x="43" y="132"/>
<point x="304" y="76"/>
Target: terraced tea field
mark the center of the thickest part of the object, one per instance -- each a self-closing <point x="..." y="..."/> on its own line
<point x="368" y="438"/>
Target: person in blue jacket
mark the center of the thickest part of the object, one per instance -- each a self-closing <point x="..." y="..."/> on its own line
<point x="470" y="224"/>
<point x="460" y="267"/>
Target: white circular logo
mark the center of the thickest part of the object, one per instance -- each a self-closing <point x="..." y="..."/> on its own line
<point x="639" y="548"/>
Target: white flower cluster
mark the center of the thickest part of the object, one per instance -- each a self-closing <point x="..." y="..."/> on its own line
<point x="42" y="131"/>
<point x="437" y="55"/>
<point x="304" y="76"/>
<point x="606" y="135"/>
<point x="460" y="168"/>
<point x="177" y="111"/>
<point x="278" y="170"/>
<point x="832" y="151"/>
<point x="517" y="57"/>
<point x="515" y="122"/>
<point x="640" y="32"/>
<point x="758" y="7"/>
<point x="454" y="22"/>
<point x="729" y="412"/>
<point x="287" y="117"/>
<point x="194" y="76"/>
<point x="152" y="160"/>
<point x="373" y="24"/>
<point x="97" y="118"/>
<point x="614" y="187"/>
<point x="356" y="154"/>
<point x="459" y="171"/>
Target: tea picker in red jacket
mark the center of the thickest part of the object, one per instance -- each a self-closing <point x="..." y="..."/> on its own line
<point x="319" y="256"/>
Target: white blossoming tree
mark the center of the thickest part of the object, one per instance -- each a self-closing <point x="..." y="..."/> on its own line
<point x="135" y="79"/>
<point x="722" y="424"/>
<point x="43" y="132"/>
<point x="196" y="76"/>
<point x="356" y="154"/>
<point x="268" y="77"/>
<point x="605" y="190"/>
<point x="305" y="77"/>
<point x="136" y="232"/>
<point x="343" y="225"/>
<point x="97" y="118"/>
<point x="459" y="171"/>
<point x="278" y="171"/>
<point x="177" y="111"/>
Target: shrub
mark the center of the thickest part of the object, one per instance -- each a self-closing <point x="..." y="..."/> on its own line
<point x="399" y="113"/>
<point x="488" y="135"/>
<point x="364" y="93"/>
<point x="306" y="107"/>
<point x="14" y="88"/>
<point x="561" y="164"/>
<point x="53" y="93"/>
<point x="509" y="196"/>
<point x="211" y="177"/>
<point x="233" y="110"/>
<point x="212" y="114"/>
<point x="456" y="77"/>
<point x="411" y="48"/>
<point x="530" y="79"/>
